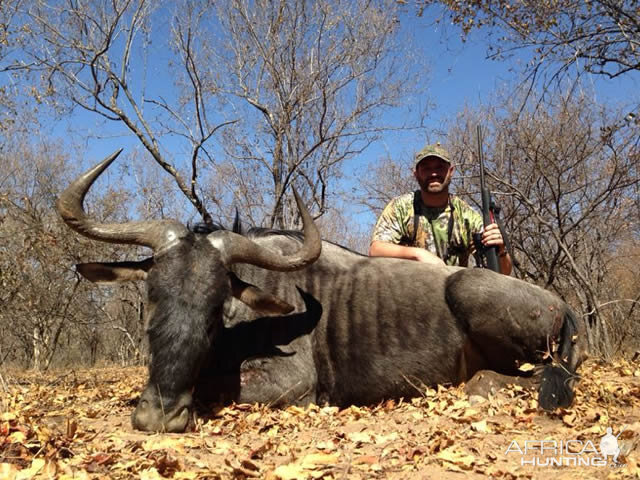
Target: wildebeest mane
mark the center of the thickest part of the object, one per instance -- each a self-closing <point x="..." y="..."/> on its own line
<point x="252" y="232"/>
<point x="257" y="232"/>
<point x="206" y="228"/>
<point x="260" y="232"/>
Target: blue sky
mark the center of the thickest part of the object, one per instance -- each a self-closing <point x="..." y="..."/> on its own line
<point x="459" y="74"/>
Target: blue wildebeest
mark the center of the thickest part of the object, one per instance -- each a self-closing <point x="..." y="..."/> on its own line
<point x="284" y="318"/>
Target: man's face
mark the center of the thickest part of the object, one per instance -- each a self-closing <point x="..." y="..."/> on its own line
<point x="434" y="175"/>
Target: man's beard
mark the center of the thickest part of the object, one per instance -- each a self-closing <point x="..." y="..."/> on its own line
<point x="442" y="186"/>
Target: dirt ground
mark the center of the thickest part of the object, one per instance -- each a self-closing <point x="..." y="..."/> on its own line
<point x="75" y="424"/>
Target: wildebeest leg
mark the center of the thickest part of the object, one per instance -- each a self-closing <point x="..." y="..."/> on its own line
<point x="512" y="322"/>
<point x="284" y="375"/>
<point x="470" y="361"/>
<point x="267" y="360"/>
<point x="282" y="371"/>
<point x="288" y="379"/>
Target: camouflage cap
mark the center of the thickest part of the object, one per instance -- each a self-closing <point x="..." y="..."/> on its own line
<point x="434" y="150"/>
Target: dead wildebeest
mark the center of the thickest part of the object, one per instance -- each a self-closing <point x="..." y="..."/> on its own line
<point x="264" y="317"/>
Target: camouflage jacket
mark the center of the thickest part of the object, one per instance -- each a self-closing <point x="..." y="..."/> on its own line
<point x="396" y="225"/>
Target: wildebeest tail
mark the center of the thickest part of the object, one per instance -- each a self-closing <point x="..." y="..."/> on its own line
<point x="556" y="386"/>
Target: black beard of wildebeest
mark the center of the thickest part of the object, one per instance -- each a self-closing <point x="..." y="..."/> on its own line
<point x="285" y="318"/>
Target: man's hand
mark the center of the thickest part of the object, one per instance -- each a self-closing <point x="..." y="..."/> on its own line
<point x="491" y="237"/>
<point x="425" y="256"/>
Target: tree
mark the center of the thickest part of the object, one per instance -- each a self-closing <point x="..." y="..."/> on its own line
<point x="265" y="94"/>
<point x="624" y="282"/>
<point x="314" y="77"/>
<point x="600" y="37"/>
<point x="35" y="300"/>
<point x="388" y="178"/>
<point x="47" y="314"/>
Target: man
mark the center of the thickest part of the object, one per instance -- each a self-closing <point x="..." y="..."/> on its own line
<point x="445" y="223"/>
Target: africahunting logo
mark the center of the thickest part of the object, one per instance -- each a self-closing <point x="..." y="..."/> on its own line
<point x="575" y="453"/>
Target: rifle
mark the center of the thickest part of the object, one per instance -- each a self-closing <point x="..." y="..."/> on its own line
<point x="486" y="257"/>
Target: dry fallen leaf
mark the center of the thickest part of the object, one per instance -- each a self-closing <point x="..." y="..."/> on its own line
<point x="480" y="426"/>
<point x="456" y="457"/>
<point x="150" y="474"/>
<point x="304" y="468"/>
<point x="163" y="443"/>
<point x="314" y="460"/>
<point x="526" y="367"/>
<point x="360" y="437"/>
<point x="8" y="470"/>
<point x="37" y="465"/>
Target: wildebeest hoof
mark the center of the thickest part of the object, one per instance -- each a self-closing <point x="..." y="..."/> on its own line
<point x="156" y="414"/>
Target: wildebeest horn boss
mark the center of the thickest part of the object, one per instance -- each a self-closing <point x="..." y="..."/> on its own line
<point x="284" y="318"/>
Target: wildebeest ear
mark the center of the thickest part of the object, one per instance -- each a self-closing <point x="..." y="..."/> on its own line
<point x="257" y="299"/>
<point x="115" y="272"/>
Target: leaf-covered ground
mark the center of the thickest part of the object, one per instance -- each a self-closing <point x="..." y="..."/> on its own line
<point x="75" y="424"/>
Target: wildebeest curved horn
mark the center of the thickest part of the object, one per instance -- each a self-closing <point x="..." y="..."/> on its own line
<point x="155" y="234"/>
<point x="239" y="249"/>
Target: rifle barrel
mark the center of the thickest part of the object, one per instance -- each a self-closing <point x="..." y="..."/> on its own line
<point x="491" y="252"/>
